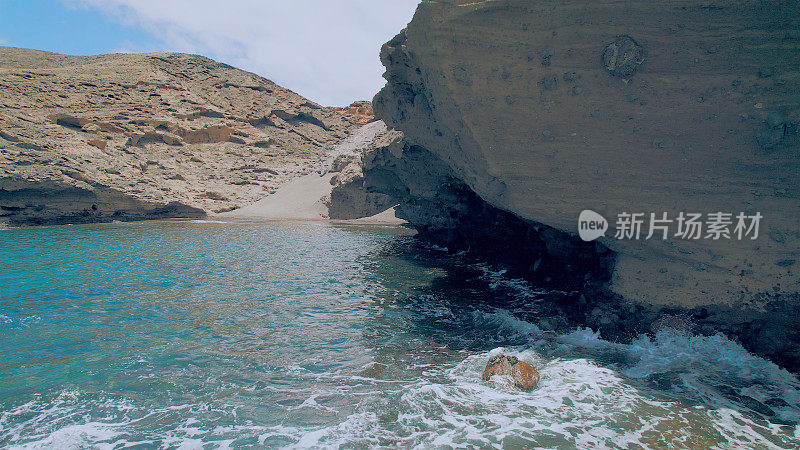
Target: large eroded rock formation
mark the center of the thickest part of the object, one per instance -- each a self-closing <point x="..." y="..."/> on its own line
<point x="100" y="138"/>
<point x="544" y="109"/>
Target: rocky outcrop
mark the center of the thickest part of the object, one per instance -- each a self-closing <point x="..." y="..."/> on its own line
<point x="48" y="202"/>
<point x="521" y="374"/>
<point x="350" y="198"/>
<point x="132" y="134"/>
<point x="446" y="211"/>
<point x="527" y="113"/>
<point x="359" y="112"/>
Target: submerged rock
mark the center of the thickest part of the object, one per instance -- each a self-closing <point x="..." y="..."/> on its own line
<point x="522" y="374"/>
<point x="623" y="56"/>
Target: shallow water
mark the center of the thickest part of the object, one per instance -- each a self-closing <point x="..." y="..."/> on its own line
<point x="193" y="333"/>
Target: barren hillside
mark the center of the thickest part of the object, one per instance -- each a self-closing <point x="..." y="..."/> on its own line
<point x="109" y="137"/>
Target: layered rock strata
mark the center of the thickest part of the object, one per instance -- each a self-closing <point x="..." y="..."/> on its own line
<point x="121" y="137"/>
<point x="543" y="109"/>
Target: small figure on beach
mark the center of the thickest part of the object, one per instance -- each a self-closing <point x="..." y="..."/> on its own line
<point x="522" y="374"/>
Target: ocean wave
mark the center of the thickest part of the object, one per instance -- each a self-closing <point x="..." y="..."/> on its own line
<point x="578" y="403"/>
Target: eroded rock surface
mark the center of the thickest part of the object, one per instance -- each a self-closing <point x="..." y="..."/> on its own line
<point x="128" y="134"/>
<point x="544" y="109"/>
<point x="350" y="197"/>
<point x="521" y="374"/>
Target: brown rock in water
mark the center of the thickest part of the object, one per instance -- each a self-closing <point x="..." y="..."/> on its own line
<point x="522" y="374"/>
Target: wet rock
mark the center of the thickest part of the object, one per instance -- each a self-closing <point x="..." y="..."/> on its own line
<point x="765" y="72"/>
<point x="609" y="319"/>
<point x="674" y="323"/>
<point x="623" y="56"/>
<point x="769" y="138"/>
<point x="746" y="401"/>
<point x="461" y="76"/>
<point x="775" y="120"/>
<point x="777" y="402"/>
<point x="549" y="83"/>
<point x="521" y="374"/>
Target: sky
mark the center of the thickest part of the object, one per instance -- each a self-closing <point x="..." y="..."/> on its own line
<point x="325" y="50"/>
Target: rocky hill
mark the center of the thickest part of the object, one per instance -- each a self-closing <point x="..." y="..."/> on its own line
<point x="518" y="115"/>
<point x="123" y="137"/>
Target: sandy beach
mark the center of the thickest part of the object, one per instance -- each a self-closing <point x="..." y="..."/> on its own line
<point x="304" y="198"/>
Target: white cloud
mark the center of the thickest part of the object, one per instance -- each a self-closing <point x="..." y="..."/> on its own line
<point x="325" y="50"/>
<point x="128" y="46"/>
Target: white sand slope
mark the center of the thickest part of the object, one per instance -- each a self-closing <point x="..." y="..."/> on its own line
<point x="304" y="198"/>
<point x="299" y="199"/>
<point x="388" y="217"/>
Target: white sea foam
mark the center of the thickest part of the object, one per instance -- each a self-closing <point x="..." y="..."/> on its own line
<point x="577" y="403"/>
<point x="592" y="394"/>
<point x="517" y="287"/>
<point x="25" y="321"/>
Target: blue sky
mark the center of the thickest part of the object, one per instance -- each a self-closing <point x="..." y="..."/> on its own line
<point x="326" y="50"/>
<point x="59" y="27"/>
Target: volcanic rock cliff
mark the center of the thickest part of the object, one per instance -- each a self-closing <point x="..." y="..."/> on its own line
<point x="519" y="115"/>
<point x="123" y="137"/>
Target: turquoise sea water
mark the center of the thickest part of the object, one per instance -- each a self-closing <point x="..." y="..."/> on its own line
<point x="202" y="334"/>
